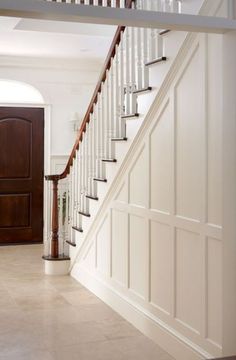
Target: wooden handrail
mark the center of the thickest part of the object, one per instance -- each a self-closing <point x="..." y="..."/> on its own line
<point x="102" y="78"/>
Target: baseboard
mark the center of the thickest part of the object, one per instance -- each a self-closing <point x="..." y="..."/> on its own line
<point x="166" y="337"/>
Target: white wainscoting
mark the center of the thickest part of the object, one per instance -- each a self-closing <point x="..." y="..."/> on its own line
<point x="159" y="244"/>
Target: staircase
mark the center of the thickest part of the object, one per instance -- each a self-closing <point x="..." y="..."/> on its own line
<point x="113" y="118"/>
<point x="136" y="214"/>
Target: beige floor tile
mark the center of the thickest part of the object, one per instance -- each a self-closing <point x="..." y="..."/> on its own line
<point x="95" y="351"/>
<point x="47" y="300"/>
<point x="56" y="318"/>
<point x="116" y="329"/>
<point x="81" y="297"/>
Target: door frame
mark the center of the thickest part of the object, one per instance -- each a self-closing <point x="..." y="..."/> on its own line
<point x="47" y="152"/>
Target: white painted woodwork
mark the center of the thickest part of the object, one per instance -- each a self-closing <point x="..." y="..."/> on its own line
<point x="155" y="250"/>
<point x="161" y="228"/>
<point x="115" y="16"/>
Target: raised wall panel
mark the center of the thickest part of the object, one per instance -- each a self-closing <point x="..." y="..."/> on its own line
<point x="214" y="132"/>
<point x="214" y="295"/>
<point x="160" y="169"/>
<point x="188" y="279"/>
<point x="90" y="257"/>
<point x="138" y="255"/>
<point x="161" y="267"/>
<point x="103" y="247"/>
<point x="119" y="246"/>
<point x="138" y="180"/>
<point x="189" y="117"/>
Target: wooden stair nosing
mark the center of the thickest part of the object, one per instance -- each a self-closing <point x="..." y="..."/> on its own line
<point x="156" y="61"/>
<point x="120" y="139"/>
<point x="141" y="91"/>
<point x="77" y="229"/>
<point x="101" y="180"/>
<point x="84" y="214"/>
<point x="165" y="31"/>
<point x="70" y="243"/>
<point x="109" y="160"/>
<point x="129" y="116"/>
<point x="92" y="197"/>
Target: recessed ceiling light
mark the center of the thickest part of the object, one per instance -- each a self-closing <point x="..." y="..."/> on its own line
<point x="84" y="50"/>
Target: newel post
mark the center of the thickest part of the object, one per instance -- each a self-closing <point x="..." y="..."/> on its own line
<point x="55" y="227"/>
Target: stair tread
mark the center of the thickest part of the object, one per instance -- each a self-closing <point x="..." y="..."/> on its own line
<point x="70" y="243"/>
<point x="99" y="179"/>
<point x="155" y="61"/>
<point x="92" y="197"/>
<point x="140" y="91"/>
<point x="165" y="31"/>
<point x="119" y="139"/>
<point x="129" y="116"/>
<point x="84" y="214"/>
<point x="109" y="160"/>
<point x="77" y="229"/>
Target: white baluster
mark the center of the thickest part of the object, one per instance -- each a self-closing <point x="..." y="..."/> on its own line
<point x="107" y="114"/>
<point x="73" y="193"/>
<point x="84" y="171"/>
<point x="140" y="65"/>
<point x="75" y="189"/>
<point x="86" y="2"/>
<point x="95" y="2"/>
<point x="68" y="207"/>
<point x="103" y="123"/>
<point x="116" y="93"/>
<point x="77" y="1"/>
<point x="133" y="83"/>
<point x="80" y="175"/>
<point x="122" y="126"/>
<point x="90" y="163"/>
<point x="60" y="225"/>
<point x="111" y="110"/>
<point x="86" y="166"/>
<point x="98" y="136"/>
<point x="127" y="73"/>
<point x="104" y="2"/>
<point x="145" y="57"/>
<point x="67" y="218"/>
<point x="122" y="3"/>
<point x="113" y="3"/>
<point x="94" y="149"/>
<point x="90" y="143"/>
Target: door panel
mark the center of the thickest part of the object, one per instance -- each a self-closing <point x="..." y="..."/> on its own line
<point x="21" y="175"/>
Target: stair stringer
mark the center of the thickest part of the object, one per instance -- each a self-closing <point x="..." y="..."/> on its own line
<point x="131" y="297"/>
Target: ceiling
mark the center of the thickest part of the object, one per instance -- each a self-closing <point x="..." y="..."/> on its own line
<point x="54" y="39"/>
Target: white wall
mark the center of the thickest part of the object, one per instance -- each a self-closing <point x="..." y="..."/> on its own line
<point x="66" y="85"/>
<point x="156" y="255"/>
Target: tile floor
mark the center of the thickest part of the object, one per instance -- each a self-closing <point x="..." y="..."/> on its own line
<point x="45" y="318"/>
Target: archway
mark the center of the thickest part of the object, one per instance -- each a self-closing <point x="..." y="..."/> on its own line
<point x="16" y="92"/>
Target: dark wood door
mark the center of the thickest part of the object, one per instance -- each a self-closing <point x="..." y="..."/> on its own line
<point x="21" y="175"/>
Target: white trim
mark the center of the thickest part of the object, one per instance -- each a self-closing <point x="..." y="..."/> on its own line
<point x="168" y="338"/>
<point x="114" y="16"/>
